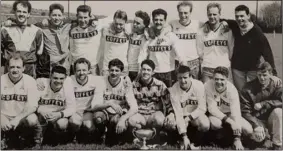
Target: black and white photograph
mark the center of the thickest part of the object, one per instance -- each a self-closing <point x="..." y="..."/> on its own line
<point x="141" y="75"/>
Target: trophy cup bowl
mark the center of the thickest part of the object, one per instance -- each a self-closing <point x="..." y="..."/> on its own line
<point x="144" y="135"/>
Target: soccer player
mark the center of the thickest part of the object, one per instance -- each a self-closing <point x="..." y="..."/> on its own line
<point x="85" y="39"/>
<point x="154" y="106"/>
<point x="261" y="101"/>
<point x="189" y="103"/>
<point x="19" y="101"/>
<point x="114" y="42"/>
<point x="118" y="103"/>
<point x="88" y="90"/>
<point x="215" y="46"/>
<point x="186" y="30"/>
<point x="162" y="49"/>
<point x="250" y="45"/>
<point x="224" y="106"/>
<point x="137" y="40"/>
<point x="57" y="102"/>
<point x="22" y="37"/>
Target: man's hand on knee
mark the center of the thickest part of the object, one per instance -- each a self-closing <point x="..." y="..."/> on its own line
<point x="169" y="121"/>
<point x="14" y="123"/>
<point x="121" y="126"/>
<point x="6" y="126"/>
<point x="259" y="133"/>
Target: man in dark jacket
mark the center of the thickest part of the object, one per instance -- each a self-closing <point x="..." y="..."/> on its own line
<point x="261" y="101"/>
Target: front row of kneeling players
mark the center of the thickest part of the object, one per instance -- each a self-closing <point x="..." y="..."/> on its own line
<point x="82" y="105"/>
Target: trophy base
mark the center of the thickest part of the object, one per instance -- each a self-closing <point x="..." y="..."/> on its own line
<point x="144" y="148"/>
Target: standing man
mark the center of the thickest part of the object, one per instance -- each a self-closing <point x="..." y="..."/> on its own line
<point x="224" y="107"/>
<point x="85" y="39"/>
<point x="22" y="37"/>
<point x="250" y="45"/>
<point x="162" y="49"/>
<point x="137" y="40"/>
<point x="186" y="30"/>
<point x="118" y="103"/>
<point x="189" y="103"/>
<point x="57" y="102"/>
<point x="19" y="101"/>
<point x="215" y="46"/>
<point x="261" y="101"/>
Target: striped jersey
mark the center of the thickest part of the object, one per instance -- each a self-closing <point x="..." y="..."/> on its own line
<point x="215" y="47"/>
<point x="188" y="102"/>
<point x="187" y="36"/>
<point x="84" y="43"/>
<point x="162" y="51"/>
<point x="16" y="96"/>
<point x="27" y="40"/>
<point x="222" y="104"/>
<point x="113" y="46"/>
<point x="152" y="97"/>
<point x="88" y="93"/>
<point x="135" y="45"/>
<point x="62" y="100"/>
<point x="121" y="93"/>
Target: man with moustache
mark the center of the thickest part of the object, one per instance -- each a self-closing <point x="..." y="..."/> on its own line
<point x="57" y="103"/>
<point x="186" y="30"/>
<point x="215" y="45"/>
<point x="118" y="104"/>
<point x="224" y="107"/>
<point x="22" y="37"/>
<point x="19" y="101"/>
<point x="88" y="91"/>
<point x="137" y="40"/>
<point x="251" y="45"/>
<point x="162" y="49"/>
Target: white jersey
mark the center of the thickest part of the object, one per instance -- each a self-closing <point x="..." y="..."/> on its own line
<point x="122" y="94"/>
<point x="162" y="51"/>
<point x="113" y="46"/>
<point x="191" y="102"/>
<point x="222" y="104"/>
<point x="87" y="93"/>
<point x="62" y="100"/>
<point x="216" y="47"/>
<point x="187" y="35"/>
<point x="85" y="43"/>
<point x="16" y="96"/>
<point x="135" y="46"/>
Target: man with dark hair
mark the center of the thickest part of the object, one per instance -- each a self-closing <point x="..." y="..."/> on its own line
<point x="19" y="101"/>
<point x="154" y="106"/>
<point x="261" y="101"/>
<point x="224" y="107"/>
<point x="162" y="49"/>
<point x="189" y="103"/>
<point x="137" y="40"/>
<point x="22" y="37"/>
<point x="118" y="103"/>
<point x="57" y="102"/>
<point x="249" y="47"/>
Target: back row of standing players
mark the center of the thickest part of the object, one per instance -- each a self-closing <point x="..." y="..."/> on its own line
<point x="201" y="48"/>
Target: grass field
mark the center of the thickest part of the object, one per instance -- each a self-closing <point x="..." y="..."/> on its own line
<point x="276" y="44"/>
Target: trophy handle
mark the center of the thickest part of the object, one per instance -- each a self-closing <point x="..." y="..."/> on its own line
<point x="134" y="130"/>
<point x="154" y="133"/>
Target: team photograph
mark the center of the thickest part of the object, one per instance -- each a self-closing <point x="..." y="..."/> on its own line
<point x="141" y="75"/>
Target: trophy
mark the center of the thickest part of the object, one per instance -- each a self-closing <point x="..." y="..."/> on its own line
<point x="144" y="134"/>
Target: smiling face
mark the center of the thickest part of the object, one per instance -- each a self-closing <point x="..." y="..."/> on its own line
<point x="220" y="82"/>
<point x="83" y="19"/>
<point x="57" y="80"/>
<point x="263" y="77"/>
<point x="184" y="14"/>
<point x="146" y="72"/>
<point x="114" y="72"/>
<point x="81" y="71"/>
<point x="56" y="17"/>
<point x="242" y="18"/>
<point x="213" y="15"/>
<point x="22" y="14"/>
<point x="184" y="80"/>
<point x="159" y="21"/>
<point x="119" y="25"/>
<point x="138" y="25"/>
<point x="16" y="68"/>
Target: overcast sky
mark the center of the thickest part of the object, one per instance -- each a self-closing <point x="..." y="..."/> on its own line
<point x="109" y="7"/>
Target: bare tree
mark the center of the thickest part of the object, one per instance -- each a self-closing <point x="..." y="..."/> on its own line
<point x="271" y="15"/>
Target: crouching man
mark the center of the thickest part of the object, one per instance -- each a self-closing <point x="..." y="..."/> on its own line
<point x="154" y="106"/>
<point x="118" y="104"/>
<point x="88" y="90"/>
<point x="261" y="101"/>
<point x="224" y="106"/>
<point x="19" y="101"/>
<point x="57" y="102"/>
<point x="189" y="103"/>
